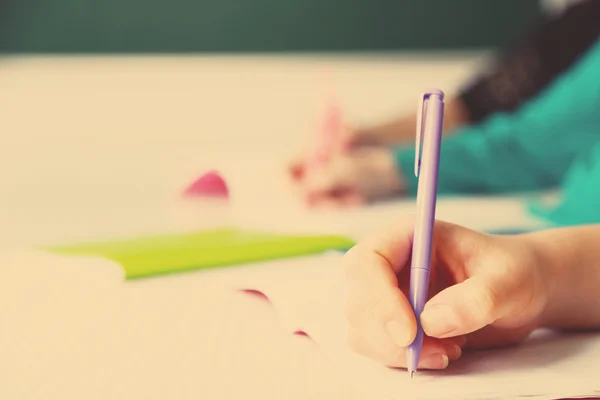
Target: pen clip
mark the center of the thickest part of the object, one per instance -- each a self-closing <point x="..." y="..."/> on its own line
<point x="421" y="115"/>
<point x="419" y="137"/>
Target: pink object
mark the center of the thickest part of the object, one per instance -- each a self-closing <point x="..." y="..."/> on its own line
<point x="210" y="184"/>
<point x="262" y="296"/>
<point x="329" y="135"/>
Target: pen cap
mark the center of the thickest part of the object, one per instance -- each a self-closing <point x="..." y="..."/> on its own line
<point x="432" y="116"/>
<point x="434" y="94"/>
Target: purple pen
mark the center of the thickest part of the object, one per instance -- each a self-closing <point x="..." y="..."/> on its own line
<point x="429" y="134"/>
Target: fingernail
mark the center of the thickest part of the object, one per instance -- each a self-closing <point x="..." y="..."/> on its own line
<point x="439" y="321"/>
<point x="454" y="351"/>
<point x="399" y="333"/>
<point x="434" y="361"/>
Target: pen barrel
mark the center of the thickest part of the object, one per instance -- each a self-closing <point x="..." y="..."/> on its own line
<point x="419" y="278"/>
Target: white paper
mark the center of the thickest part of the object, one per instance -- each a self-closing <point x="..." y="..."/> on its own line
<point x="546" y="366"/>
<point x="72" y="328"/>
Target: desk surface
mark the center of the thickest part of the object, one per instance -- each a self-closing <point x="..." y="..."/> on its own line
<point x="97" y="147"/>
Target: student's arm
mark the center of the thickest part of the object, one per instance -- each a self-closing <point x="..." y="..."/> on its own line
<point x="527" y="68"/>
<point x="517" y="75"/>
<point x="530" y="149"/>
<point x="572" y="256"/>
<point x="402" y="130"/>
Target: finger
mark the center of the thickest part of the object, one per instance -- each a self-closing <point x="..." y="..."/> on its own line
<point x="348" y="139"/>
<point x="460" y="341"/>
<point x="388" y="249"/>
<point x="465" y="307"/>
<point x="383" y="315"/>
<point x="453" y="347"/>
<point x="345" y="197"/>
<point x="433" y="356"/>
<point x="335" y="199"/>
<point x="382" y="342"/>
<point x="376" y="306"/>
<point x="353" y="199"/>
<point x="380" y="311"/>
<point x="456" y="245"/>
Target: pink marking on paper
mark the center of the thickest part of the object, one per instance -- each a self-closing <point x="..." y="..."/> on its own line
<point x="257" y="294"/>
<point x="301" y="333"/>
<point x="210" y="184"/>
<point x="261" y="296"/>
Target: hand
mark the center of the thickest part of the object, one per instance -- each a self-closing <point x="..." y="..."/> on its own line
<point x="355" y="177"/>
<point x="485" y="291"/>
<point x="399" y="131"/>
<point x="299" y="165"/>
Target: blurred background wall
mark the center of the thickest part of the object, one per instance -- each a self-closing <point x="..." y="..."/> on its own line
<point x="136" y="26"/>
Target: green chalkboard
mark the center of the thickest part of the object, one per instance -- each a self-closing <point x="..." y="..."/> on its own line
<point x="115" y="26"/>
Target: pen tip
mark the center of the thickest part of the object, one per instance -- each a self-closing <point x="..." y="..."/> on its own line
<point x="411" y="374"/>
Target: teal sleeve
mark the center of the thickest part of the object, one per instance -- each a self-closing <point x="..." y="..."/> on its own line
<point x="530" y="149"/>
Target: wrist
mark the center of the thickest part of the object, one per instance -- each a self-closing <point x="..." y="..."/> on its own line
<point x="549" y="273"/>
<point x="558" y="283"/>
<point x="395" y="132"/>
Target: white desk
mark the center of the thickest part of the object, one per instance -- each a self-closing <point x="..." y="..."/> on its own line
<point x="93" y="148"/>
<point x="85" y="142"/>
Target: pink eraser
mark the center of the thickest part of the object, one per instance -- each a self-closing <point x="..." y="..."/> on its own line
<point x="210" y="184"/>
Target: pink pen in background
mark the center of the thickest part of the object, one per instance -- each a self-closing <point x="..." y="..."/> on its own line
<point x="330" y="132"/>
<point x="328" y="136"/>
<point x="429" y="135"/>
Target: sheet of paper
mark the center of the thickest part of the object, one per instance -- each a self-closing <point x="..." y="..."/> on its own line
<point x="546" y="366"/>
<point x="75" y="330"/>
<point x="72" y="328"/>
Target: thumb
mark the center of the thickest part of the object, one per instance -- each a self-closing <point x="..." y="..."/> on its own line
<point x="466" y="307"/>
<point x="348" y="138"/>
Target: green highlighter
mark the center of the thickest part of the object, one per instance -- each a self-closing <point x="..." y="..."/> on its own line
<point x="150" y="256"/>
